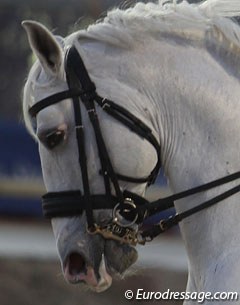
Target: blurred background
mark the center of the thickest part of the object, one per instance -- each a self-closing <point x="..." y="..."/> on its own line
<point x="29" y="270"/>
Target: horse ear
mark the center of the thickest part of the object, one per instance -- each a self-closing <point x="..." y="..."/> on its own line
<point x="44" y="45"/>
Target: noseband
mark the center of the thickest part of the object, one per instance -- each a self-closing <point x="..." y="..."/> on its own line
<point x="128" y="208"/>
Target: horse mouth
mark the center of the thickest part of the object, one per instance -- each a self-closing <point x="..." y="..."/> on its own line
<point x="75" y="267"/>
<point x="76" y="270"/>
<point x="98" y="273"/>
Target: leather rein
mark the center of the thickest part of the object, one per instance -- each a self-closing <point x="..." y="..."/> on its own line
<point x="129" y="209"/>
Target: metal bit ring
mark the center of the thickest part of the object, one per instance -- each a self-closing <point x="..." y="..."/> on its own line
<point x="129" y="202"/>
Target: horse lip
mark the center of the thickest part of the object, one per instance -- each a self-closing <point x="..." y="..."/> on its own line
<point x="117" y="268"/>
<point x="110" y="270"/>
<point x="74" y="280"/>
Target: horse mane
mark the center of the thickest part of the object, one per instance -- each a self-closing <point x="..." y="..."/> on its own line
<point x="201" y="23"/>
<point x="190" y="21"/>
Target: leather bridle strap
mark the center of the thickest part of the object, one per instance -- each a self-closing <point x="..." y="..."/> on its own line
<point x="103" y="154"/>
<point x="82" y="157"/>
<point x="168" y="202"/>
<point x="72" y="203"/>
<point x="136" y="126"/>
<point x="75" y="78"/>
<point x="54" y="99"/>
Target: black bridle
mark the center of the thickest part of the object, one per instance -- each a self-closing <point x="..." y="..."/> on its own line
<point x="128" y="208"/>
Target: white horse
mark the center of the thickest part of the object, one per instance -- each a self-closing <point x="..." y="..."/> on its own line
<point x="175" y="67"/>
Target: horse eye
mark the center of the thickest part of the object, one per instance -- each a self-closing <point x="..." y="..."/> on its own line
<point x="53" y="139"/>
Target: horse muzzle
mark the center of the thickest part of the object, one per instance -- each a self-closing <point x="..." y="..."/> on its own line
<point x="77" y="271"/>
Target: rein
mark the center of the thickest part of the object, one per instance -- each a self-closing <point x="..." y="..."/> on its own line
<point x="129" y="209"/>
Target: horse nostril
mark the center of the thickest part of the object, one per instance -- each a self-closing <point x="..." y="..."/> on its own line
<point x="76" y="264"/>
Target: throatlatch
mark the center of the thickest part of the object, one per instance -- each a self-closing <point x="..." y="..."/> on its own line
<point x="128" y="208"/>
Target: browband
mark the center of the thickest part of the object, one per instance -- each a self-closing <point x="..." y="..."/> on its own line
<point x="53" y="99"/>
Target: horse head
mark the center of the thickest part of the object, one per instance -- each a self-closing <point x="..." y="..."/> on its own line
<point x="101" y="101"/>
<point x="89" y="258"/>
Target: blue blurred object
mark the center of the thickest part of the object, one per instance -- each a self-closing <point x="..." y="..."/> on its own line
<point x="18" y="153"/>
<point x="19" y="159"/>
<point x="10" y="206"/>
